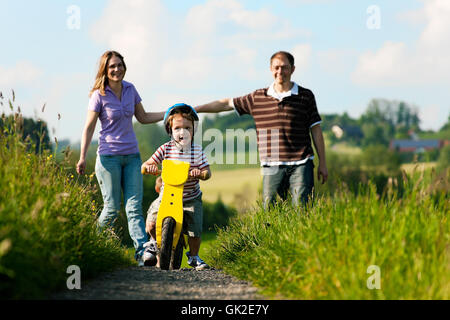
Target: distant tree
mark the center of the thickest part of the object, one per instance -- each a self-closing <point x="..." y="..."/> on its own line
<point x="446" y="126"/>
<point x="379" y="155"/>
<point x="376" y="133"/>
<point x="388" y="119"/>
<point x="38" y="132"/>
<point x="35" y="131"/>
<point x="150" y="137"/>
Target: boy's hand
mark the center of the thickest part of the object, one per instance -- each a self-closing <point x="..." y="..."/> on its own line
<point x="149" y="169"/>
<point x="200" y="174"/>
<point x="195" y="173"/>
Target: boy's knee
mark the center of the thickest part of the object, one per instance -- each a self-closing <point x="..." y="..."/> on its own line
<point x="150" y="226"/>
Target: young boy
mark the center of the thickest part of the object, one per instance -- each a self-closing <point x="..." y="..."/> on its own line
<point x="180" y="123"/>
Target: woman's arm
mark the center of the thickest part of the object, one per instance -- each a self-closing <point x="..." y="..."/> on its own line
<point x="216" y="106"/>
<point x="88" y="132"/>
<point x="147" y="117"/>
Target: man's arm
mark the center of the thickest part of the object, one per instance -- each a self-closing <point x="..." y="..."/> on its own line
<point x="216" y="106"/>
<point x="319" y="144"/>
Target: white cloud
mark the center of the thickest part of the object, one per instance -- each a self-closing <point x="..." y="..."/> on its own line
<point x="432" y="117"/>
<point x="136" y="29"/>
<point x="302" y="55"/>
<point x="209" y="17"/>
<point x="336" y="61"/>
<point x="426" y="62"/>
<point x="216" y="39"/>
<point x="297" y="2"/>
<point x="183" y="68"/>
<point x="23" y="73"/>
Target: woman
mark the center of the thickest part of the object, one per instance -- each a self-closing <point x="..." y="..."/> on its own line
<point x="118" y="163"/>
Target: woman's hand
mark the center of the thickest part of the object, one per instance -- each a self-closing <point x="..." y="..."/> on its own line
<point x="81" y="166"/>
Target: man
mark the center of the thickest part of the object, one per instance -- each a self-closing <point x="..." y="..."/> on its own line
<point x="284" y="114"/>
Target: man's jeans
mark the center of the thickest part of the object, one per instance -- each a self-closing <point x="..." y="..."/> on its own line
<point x="114" y="174"/>
<point x="296" y="180"/>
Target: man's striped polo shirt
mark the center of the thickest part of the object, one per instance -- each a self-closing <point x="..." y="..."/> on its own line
<point x="282" y="125"/>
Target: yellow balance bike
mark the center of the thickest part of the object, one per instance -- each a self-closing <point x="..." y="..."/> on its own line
<point x="169" y="222"/>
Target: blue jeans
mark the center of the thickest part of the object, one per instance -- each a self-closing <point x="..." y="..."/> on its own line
<point x="294" y="180"/>
<point x="114" y="174"/>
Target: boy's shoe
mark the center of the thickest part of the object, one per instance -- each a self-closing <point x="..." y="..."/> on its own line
<point x="196" y="262"/>
<point x="149" y="255"/>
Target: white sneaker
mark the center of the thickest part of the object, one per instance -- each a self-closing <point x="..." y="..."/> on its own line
<point x="196" y="262"/>
<point x="149" y="255"/>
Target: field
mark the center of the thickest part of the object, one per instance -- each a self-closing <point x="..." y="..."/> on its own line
<point x="238" y="188"/>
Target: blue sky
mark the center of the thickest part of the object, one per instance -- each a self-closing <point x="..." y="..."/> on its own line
<point x="199" y="51"/>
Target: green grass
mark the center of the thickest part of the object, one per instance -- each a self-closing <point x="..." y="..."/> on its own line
<point x="47" y="222"/>
<point x="324" y="252"/>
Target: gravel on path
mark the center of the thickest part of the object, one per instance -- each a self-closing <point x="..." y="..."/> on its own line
<point x="150" y="283"/>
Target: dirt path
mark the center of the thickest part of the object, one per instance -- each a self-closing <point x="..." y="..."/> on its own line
<point x="150" y="283"/>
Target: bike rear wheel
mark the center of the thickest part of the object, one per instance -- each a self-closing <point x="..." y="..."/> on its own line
<point x="165" y="256"/>
<point x="177" y="256"/>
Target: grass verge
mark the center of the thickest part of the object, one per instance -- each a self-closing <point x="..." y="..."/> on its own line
<point x="326" y="252"/>
<point x="47" y="222"/>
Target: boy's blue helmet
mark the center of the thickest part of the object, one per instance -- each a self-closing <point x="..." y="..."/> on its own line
<point x="184" y="108"/>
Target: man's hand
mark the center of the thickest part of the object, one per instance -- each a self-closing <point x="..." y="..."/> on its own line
<point x="322" y="171"/>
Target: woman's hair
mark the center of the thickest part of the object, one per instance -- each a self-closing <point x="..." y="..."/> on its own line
<point x="101" y="80"/>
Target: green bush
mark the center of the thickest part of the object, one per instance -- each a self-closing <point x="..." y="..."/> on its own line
<point x="443" y="162"/>
<point x="216" y="215"/>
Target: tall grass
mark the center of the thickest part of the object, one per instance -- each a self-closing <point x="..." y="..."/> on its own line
<point x="47" y="221"/>
<point x="324" y="251"/>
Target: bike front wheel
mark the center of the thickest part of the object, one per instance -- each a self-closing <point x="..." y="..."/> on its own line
<point x="165" y="256"/>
